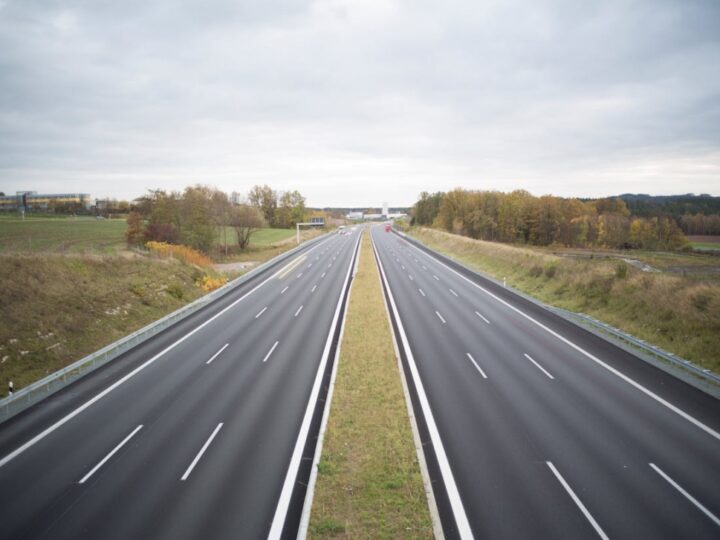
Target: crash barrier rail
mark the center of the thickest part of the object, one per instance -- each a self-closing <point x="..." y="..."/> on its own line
<point x="597" y="327"/>
<point x="39" y="390"/>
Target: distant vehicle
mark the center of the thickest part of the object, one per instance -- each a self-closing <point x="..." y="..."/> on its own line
<point x="388" y="227"/>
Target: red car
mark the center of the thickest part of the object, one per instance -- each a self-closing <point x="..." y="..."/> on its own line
<point x="388" y="227"/>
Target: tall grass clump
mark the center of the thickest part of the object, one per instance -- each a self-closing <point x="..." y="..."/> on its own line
<point x="184" y="253"/>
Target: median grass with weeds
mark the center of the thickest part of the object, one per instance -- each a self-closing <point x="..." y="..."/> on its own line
<point x="678" y="310"/>
<point x="369" y="483"/>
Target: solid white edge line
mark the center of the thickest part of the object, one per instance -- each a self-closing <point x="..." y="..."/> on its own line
<point x="582" y="351"/>
<point x="201" y="452"/>
<point x="577" y="501"/>
<point x="111" y="454"/>
<point x="135" y="371"/>
<point x="538" y="365"/>
<point x="461" y="520"/>
<point x="476" y="365"/>
<point x="283" y="504"/>
<point x="689" y="497"/>
<point x="440" y="316"/>
<point x="138" y="369"/>
<point x="310" y="493"/>
<point x="270" y="351"/>
<point x="419" y="452"/>
<point x="214" y="356"/>
<point x="261" y="312"/>
<point x="483" y="318"/>
<point x="298" y="311"/>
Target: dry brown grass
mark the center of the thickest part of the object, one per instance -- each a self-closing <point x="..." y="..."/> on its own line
<point x="58" y="309"/>
<point x="369" y="483"/>
<point x="678" y="313"/>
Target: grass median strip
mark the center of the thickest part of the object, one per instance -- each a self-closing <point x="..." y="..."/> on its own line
<point x="369" y="483"/>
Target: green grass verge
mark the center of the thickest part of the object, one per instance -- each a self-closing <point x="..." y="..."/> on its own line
<point x="679" y="312"/>
<point x="705" y="245"/>
<point x="369" y="483"/>
<point x="61" y="235"/>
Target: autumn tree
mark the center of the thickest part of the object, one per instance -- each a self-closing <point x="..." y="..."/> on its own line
<point x="246" y="219"/>
<point x="266" y="199"/>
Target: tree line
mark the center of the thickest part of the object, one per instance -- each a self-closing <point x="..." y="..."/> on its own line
<point x="200" y="216"/>
<point x="520" y="217"/>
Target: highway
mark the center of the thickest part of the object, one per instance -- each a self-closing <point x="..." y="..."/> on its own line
<point x="204" y="431"/>
<point x="535" y="428"/>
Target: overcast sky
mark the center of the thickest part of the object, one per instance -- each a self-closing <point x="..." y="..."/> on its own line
<point x="356" y="102"/>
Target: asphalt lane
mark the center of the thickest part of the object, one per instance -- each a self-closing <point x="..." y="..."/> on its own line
<point x="197" y="443"/>
<point x="542" y="441"/>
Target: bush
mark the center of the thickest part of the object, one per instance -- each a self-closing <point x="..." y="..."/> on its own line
<point x="621" y="270"/>
<point x="209" y="283"/>
<point x="550" y="270"/>
<point x="161" y="232"/>
<point x="184" y="253"/>
<point x="536" y="271"/>
<point x="176" y="291"/>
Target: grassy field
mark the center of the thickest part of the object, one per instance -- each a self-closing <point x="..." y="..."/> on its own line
<point x="708" y="243"/>
<point x="676" y="305"/>
<point x="261" y="238"/>
<point x="61" y="235"/>
<point x="369" y="483"/>
<point x="87" y="235"/>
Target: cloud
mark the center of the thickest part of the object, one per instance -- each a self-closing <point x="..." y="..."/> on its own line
<point x="355" y="102"/>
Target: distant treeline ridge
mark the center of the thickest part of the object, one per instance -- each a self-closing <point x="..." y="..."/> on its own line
<point x="521" y="217"/>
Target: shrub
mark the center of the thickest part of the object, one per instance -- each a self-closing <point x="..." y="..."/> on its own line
<point x="184" y="253"/>
<point x="162" y="232"/>
<point x="550" y="270"/>
<point x="536" y="271"/>
<point x="209" y="283"/>
<point x="621" y="270"/>
<point x="176" y="291"/>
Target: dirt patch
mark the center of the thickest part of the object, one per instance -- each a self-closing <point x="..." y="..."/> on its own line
<point x="234" y="267"/>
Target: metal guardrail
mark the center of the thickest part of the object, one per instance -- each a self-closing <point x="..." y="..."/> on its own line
<point x="595" y="325"/>
<point x="39" y="390"/>
<point x="648" y="348"/>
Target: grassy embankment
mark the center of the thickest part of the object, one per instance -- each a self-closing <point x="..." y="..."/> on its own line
<point x="369" y="483"/>
<point x="677" y="307"/>
<point x="69" y="286"/>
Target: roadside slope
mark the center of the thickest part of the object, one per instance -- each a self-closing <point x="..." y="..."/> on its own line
<point x="369" y="483"/>
<point x="679" y="313"/>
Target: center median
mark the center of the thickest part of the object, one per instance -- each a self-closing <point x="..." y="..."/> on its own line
<point x="369" y="483"/>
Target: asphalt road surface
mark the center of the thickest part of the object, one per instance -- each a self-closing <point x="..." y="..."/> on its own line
<point x="198" y="433"/>
<point x="536" y="428"/>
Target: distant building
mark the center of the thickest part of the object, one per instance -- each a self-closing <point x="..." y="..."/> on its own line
<point x="31" y="201"/>
<point x="317" y="221"/>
